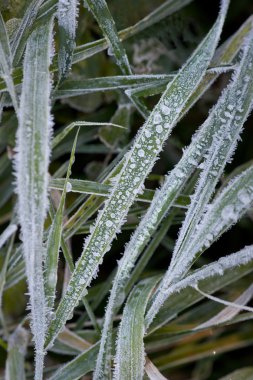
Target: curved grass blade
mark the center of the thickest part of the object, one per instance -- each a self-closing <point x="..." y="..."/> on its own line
<point x="104" y="18"/>
<point x="6" y="62"/>
<point x="85" y="51"/>
<point x="228" y="207"/>
<point x="130" y="355"/>
<point x="229" y="312"/>
<point x="138" y="163"/>
<point x="67" y="15"/>
<point x="75" y="87"/>
<point x="152" y="371"/>
<point x="32" y="159"/>
<point x="15" y="364"/>
<point x="7" y="233"/>
<point x="90" y="187"/>
<point x="78" y="367"/>
<point x="166" y="9"/>
<point x="58" y="138"/>
<point x="231" y="112"/>
<point x="23" y="31"/>
<point x="209" y="278"/>
<point x="54" y="238"/>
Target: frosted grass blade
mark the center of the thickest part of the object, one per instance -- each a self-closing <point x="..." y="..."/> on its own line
<point x="226" y="209"/>
<point x="78" y="367"/>
<point x="138" y="163"/>
<point x="97" y="188"/>
<point x="7" y="233"/>
<point x="231" y="112"/>
<point x="60" y="136"/>
<point x="130" y="355"/>
<point x="67" y="16"/>
<point x="17" y="345"/>
<point x="54" y="238"/>
<point x="6" y="62"/>
<point x="227" y="269"/>
<point x="166" y="9"/>
<point x="25" y="28"/>
<point x="104" y="18"/>
<point x="32" y="160"/>
<point x="75" y="87"/>
<point x="180" y="301"/>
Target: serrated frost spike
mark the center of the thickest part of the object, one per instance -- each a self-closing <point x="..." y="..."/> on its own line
<point x="32" y="160"/>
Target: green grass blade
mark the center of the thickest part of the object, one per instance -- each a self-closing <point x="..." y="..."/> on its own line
<point x="138" y="163"/>
<point x="75" y="87"/>
<point x="130" y="355"/>
<point x="20" y="38"/>
<point x="67" y="15"/>
<point x="104" y="18"/>
<point x="54" y="238"/>
<point x="122" y="284"/>
<point x="238" y="98"/>
<point x="7" y="233"/>
<point x="6" y="62"/>
<point x="96" y="188"/>
<point x="209" y="278"/>
<point x="32" y="160"/>
<point x="15" y="365"/>
<point x="78" y="367"/>
<point x="226" y="209"/>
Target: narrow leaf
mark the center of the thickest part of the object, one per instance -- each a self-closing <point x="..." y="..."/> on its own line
<point x="54" y="238"/>
<point x="137" y="164"/>
<point x="130" y="355"/>
<point x="32" y="159"/>
<point x="67" y="15"/>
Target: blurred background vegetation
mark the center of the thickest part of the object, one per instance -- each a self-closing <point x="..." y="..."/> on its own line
<point x="161" y="48"/>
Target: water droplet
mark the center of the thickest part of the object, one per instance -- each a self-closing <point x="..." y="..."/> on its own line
<point x="109" y="223"/>
<point x="159" y="128"/>
<point x="68" y="187"/>
<point x="165" y="110"/>
<point x="157" y="118"/>
<point x="141" y="153"/>
<point x="243" y="196"/>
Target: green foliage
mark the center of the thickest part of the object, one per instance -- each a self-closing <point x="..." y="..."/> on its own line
<point x="94" y="120"/>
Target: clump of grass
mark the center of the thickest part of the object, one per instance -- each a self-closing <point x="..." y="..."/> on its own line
<point x="156" y="308"/>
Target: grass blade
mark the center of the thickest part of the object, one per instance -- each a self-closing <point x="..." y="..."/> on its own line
<point x="78" y="367"/>
<point x="130" y="356"/>
<point x="54" y="238"/>
<point x="6" y="62"/>
<point x="67" y="15"/>
<point x="221" y="272"/>
<point x="229" y="206"/>
<point x="7" y="233"/>
<point x="23" y="31"/>
<point x="238" y="97"/>
<point x="15" y="365"/>
<point x="138" y="163"/>
<point x="32" y="160"/>
<point x="104" y="18"/>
